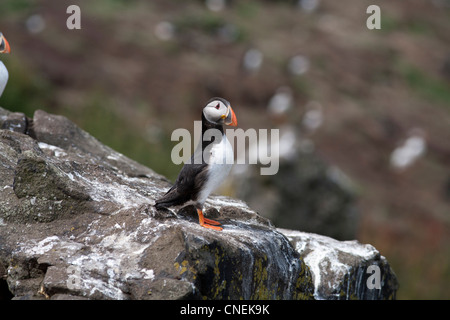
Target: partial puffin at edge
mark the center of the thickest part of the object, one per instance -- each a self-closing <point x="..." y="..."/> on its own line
<point x="206" y="170"/>
<point x="4" y="48"/>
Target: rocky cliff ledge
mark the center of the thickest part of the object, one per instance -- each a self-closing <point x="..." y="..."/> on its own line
<point x="77" y="221"/>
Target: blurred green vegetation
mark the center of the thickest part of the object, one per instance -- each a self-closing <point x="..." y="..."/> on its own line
<point x="28" y="91"/>
<point x="428" y="87"/>
<point x="14" y="6"/>
<point x="25" y="90"/>
<point x="100" y="119"/>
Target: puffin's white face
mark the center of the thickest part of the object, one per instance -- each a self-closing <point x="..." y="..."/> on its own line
<point x="219" y="111"/>
<point x="4" y="45"/>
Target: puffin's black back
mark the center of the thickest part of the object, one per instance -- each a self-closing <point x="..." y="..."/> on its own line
<point x="186" y="187"/>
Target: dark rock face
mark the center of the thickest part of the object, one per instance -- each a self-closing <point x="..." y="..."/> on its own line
<point x="77" y="221"/>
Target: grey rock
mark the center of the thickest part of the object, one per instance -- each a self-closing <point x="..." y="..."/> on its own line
<point x="344" y="270"/>
<point x="13" y="121"/>
<point x="77" y="221"/>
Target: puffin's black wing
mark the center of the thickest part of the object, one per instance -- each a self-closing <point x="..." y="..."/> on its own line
<point x="186" y="187"/>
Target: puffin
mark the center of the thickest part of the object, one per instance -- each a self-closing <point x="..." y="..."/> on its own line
<point x="208" y="166"/>
<point x="4" y="48"/>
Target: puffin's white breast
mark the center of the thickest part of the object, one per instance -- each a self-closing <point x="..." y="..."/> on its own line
<point x="3" y="77"/>
<point x="219" y="165"/>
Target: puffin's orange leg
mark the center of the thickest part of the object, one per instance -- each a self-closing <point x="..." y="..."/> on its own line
<point x="207" y="223"/>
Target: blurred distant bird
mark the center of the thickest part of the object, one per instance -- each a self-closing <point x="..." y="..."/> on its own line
<point x="252" y="60"/>
<point x="35" y="23"/>
<point x="308" y="5"/>
<point x="4" y="48"/>
<point x="298" y="65"/>
<point x="215" y="5"/>
<point x="313" y="116"/>
<point x="413" y="147"/>
<point x="281" y="101"/>
<point x="164" y="30"/>
<point x="206" y="170"/>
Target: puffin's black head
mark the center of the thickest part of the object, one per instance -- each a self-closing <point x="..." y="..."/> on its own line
<point x="218" y="111"/>
<point x="4" y="45"/>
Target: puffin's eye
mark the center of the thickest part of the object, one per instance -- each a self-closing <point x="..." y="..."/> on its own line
<point x="218" y="106"/>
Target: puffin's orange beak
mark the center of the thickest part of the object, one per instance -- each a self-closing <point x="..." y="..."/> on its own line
<point x="231" y="118"/>
<point x="4" y="45"/>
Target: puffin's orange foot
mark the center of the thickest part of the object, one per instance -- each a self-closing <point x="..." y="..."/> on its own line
<point x="208" y="223"/>
<point x="211" y="227"/>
